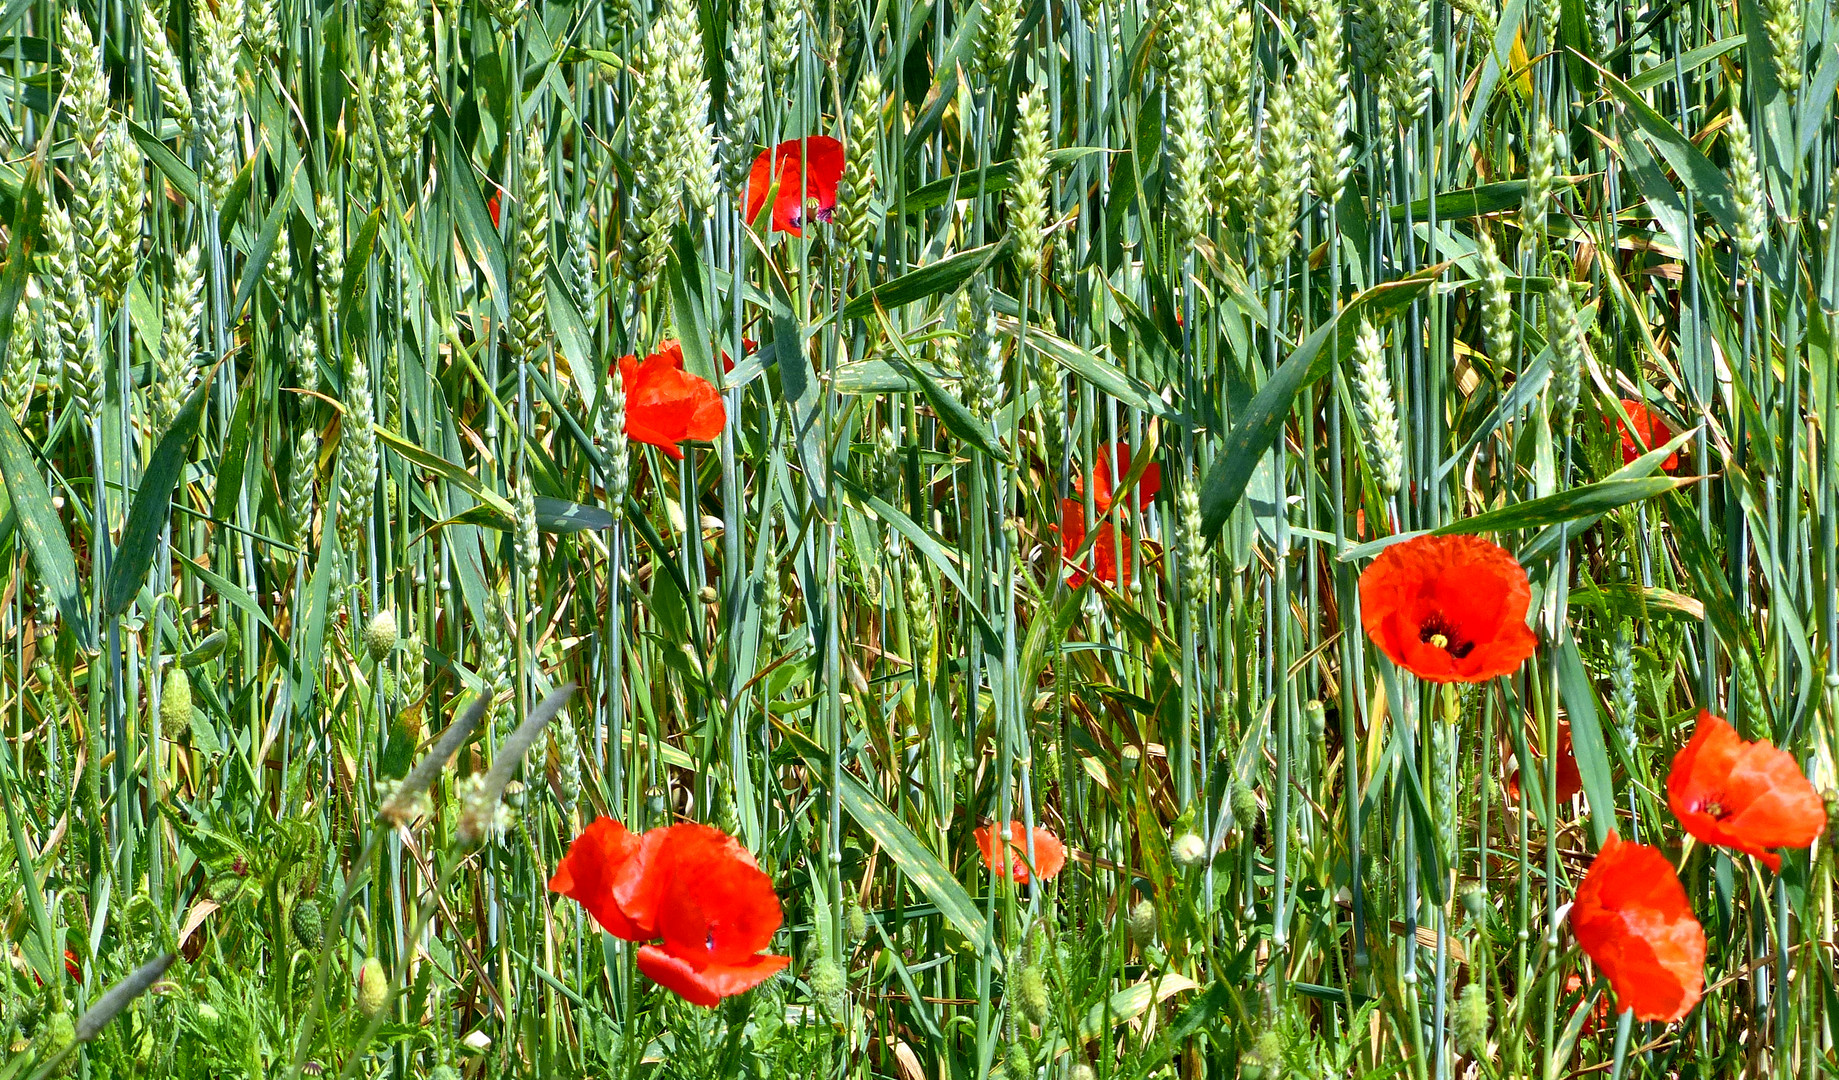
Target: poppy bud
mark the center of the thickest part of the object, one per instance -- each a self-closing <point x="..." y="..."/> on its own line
<point x="1017" y="1064"/>
<point x="1244" y="805"/>
<point x="1188" y="851"/>
<point x="308" y="922"/>
<point x="1142" y="921"/>
<point x="380" y="634"/>
<point x="1471" y="1021"/>
<point x="373" y="987"/>
<point x="1082" y="1071"/>
<point x="176" y="702"/>
<point x="855" y="921"/>
<point x="60" y="1030"/>
<point x="1475" y="902"/>
<point x="707" y="594"/>
<point x="1264" y="1059"/>
<point x="828" y="983"/>
<point x="1030" y="991"/>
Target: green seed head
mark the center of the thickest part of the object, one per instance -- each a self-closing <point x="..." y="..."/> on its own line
<point x="1244" y="804"/>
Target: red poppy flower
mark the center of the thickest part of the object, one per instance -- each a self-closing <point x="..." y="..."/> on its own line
<point x="666" y="405"/>
<point x="1113" y="537"/>
<point x="1744" y="795"/>
<point x="691" y="889"/>
<point x="819" y="159"/>
<point x="1448" y="608"/>
<point x="1650" y="429"/>
<point x="1570" y="781"/>
<point x="1632" y="919"/>
<point x="491" y="206"/>
<point x="71" y="967"/>
<point x="1049" y="852"/>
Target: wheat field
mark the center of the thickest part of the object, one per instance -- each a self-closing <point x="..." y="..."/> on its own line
<point x="924" y="539"/>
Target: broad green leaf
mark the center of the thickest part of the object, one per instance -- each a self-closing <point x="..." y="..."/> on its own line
<point x="1587" y="738"/>
<point x="954" y="414"/>
<point x="921" y="866"/>
<point x="140" y="538"/>
<point x="998" y="178"/>
<point x="497" y="506"/>
<point x="357" y="269"/>
<point x="1105" y="376"/>
<point x="470" y="217"/>
<point x="166" y="161"/>
<point x="802" y="394"/>
<point x="257" y="263"/>
<point x="930" y="280"/>
<point x="1688" y="62"/>
<point x="227" y="486"/>
<point x="1709" y="187"/>
<point x="1577" y="502"/>
<point x="1470" y="202"/>
<point x="562" y="516"/>
<point x="1258" y="429"/>
<point x="39" y="524"/>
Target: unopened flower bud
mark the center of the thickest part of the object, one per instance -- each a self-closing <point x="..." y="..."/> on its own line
<point x="1244" y="804"/>
<point x="1471" y="1021"/>
<point x="380" y="634"/>
<point x="1264" y="1061"/>
<point x="1030" y="991"/>
<point x="1475" y="902"/>
<point x="176" y="702"/>
<point x="1142" y="921"/>
<point x="1318" y="719"/>
<point x="828" y="984"/>
<point x="855" y="921"/>
<point x="373" y="987"/>
<point x="1188" y="851"/>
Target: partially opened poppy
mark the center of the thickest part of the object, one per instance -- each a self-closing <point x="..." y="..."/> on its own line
<point x="1743" y="795"/>
<point x="1448" y="608"/>
<point x="1570" y="781"/>
<point x="1049" y="852"/>
<point x="818" y="160"/>
<point x="1632" y="919"/>
<point x="666" y="405"/>
<point x="1645" y="430"/>
<point x="691" y="894"/>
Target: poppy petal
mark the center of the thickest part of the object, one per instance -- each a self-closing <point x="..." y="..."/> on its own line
<point x="597" y="863"/>
<point x="717" y="906"/>
<point x="666" y="405"/>
<point x="1632" y="919"/>
<point x="1049" y="852"/>
<point x="707" y="986"/>
<point x="1743" y="795"/>
<point x="817" y="161"/>
<point x="1645" y="430"/>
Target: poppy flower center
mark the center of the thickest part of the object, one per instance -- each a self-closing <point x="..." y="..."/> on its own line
<point x="1438" y="633"/>
<point x="1715" y="809"/>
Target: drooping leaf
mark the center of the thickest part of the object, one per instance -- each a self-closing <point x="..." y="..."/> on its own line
<point x="153" y="503"/>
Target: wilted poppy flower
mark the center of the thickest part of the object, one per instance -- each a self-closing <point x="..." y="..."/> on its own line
<point x="1649" y="429"/>
<point x="666" y="405"/>
<point x="1049" y="852"/>
<point x="819" y="159"/>
<point x="1744" y="795"/>
<point x="1448" y="608"/>
<point x="691" y="889"/>
<point x="1570" y="782"/>
<point x="1632" y="919"/>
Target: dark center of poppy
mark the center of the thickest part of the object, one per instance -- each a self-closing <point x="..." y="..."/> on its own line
<point x="1437" y="632"/>
<point x="1715" y="809"/>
